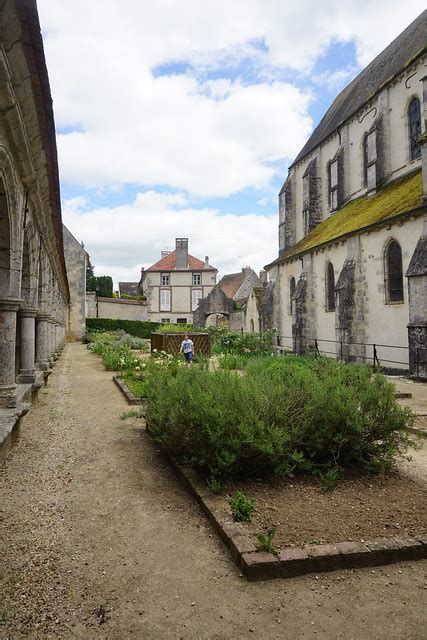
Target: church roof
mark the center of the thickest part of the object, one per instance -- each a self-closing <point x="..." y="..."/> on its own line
<point x="398" y="197"/>
<point x="389" y="63"/>
<point x="168" y="263"/>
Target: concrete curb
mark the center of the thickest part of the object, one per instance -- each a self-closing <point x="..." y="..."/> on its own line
<point x="131" y="399"/>
<point x="294" y="561"/>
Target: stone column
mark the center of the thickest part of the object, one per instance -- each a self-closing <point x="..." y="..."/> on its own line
<point x="27" y="318"/>
<point x="8" y="311"/>
<point x="42" y="344"/>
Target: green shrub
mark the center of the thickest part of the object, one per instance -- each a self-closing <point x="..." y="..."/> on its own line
<point x="138" y="328"/>
<point x="266" y="542"/>
<point x="136" y="385"/>
<point x="179" y="328"/>
<point x="226" y="341"/>
<point x="241" y="506"/>
<point x="232" y="361"/>
<point x="284" y="417"/>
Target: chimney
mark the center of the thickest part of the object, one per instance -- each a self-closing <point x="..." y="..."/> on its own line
<point x="206" y="262"/>
<point x="263" y="276"/>
<point x="181" y="248"/>
<point x="163" y="254"/>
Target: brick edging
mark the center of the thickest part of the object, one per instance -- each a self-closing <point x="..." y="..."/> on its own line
<point x="131" y="399"/>
<point x="293" y="561"/>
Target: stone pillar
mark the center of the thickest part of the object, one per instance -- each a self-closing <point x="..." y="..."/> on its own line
<point x="8" y="312"/>
<point x="27" y="319"/>
<point x="42" y="341"/>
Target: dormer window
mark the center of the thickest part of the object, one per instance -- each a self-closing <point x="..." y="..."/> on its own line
<point x="165" y="279"/>
<point x="414" y="120"/>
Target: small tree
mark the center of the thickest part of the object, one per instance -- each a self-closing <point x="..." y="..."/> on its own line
<point x="104" y="285"/>
<point x="90" y="277"/>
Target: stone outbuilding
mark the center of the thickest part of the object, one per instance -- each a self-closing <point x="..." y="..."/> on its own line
<point x="237" y="286"/>
<point x="34" y="294"/>
<point x="350" y="277"/>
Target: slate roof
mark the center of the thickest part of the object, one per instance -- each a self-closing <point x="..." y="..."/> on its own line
<point x="389" y="63"/>
<point x="168" y="263"/>
<point x="129" y="288"/>
<point x="418" y="264"/>
<point x="232" y="282"/>
<point x="393" y="200"/>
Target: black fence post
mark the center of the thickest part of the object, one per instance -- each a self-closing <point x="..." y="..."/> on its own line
<point x="418" y="362"/>
<point x="376" y="361"/>
<point x="341" y="350"/>
<point x="316" y="346"/>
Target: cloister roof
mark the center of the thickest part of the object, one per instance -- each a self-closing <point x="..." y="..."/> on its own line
<point x="393" y="200"/>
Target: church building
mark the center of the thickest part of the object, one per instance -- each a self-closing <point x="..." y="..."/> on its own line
<point x="350" y="279"/>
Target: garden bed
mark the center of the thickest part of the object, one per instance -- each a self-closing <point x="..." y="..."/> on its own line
<point x="359" y="509"/>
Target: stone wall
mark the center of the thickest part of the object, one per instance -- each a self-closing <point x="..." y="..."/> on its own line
<point x="76" y="259"/>
<point x="115" y="308"/>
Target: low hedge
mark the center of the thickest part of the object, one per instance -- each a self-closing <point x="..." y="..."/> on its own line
<point x="319" y="416"/>
<point x="138" y="328"/>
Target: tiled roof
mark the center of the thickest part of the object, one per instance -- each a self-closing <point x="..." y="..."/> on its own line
<point x="403" y="195"/>
<point x="168" y="263"/>
<point x="411" y="42"/>
<point x="231" y="283"/>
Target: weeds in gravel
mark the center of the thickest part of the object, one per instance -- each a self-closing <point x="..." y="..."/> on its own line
<point x="330" y="478"/>
<point x="130" y="414"/>
<point x="266" y="542"/>
<point x="242" y="507"/>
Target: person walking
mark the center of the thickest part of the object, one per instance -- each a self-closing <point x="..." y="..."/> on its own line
<point x="187" y="348"/>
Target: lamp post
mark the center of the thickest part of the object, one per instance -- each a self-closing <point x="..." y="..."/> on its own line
<point x="97" y="307"/>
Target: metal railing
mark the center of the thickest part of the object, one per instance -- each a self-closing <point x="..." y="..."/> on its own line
<point x="376" y="354"/>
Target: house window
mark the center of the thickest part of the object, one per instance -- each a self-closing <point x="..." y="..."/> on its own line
<point x="370" y="158"/>
<point x="333" y="185"/>
<point x="197" y="279"/>
<point x="165" y="320"/>
<point x="393" y="273"/>
<point x="291" y="293"/>
<point x="165" y="300"/>
<point x="330" y="287"/>
<point x="165" y="279"/>
<point x="414" y="118"/>
<point x="196" y="296"/>
<point x="181" y="320"/>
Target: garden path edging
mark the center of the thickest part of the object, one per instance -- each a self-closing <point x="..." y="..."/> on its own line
<point x="131" y="399"/>
<point x="293" y="561"/>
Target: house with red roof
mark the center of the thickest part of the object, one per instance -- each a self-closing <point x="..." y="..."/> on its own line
<point x="176" y="283"/>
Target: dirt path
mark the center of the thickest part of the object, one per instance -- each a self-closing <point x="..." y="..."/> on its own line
<point x="99" y="540"/>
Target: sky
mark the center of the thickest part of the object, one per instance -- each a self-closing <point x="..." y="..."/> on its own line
<point x="179" y="118"/>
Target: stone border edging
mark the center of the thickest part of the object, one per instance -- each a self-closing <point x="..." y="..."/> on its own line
<point x="293" y="561"/>
<point x="131" y="399"/>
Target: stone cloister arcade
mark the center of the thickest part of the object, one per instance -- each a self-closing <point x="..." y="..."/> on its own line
<point x="34" y="293"/>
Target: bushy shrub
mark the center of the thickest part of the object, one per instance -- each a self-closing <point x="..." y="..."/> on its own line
<point x="232" y="361"/>
<point x="138" y="328"/>
<point x="287" y="416"/>
<point x="226" y="341"/>
<point x="179" y="328"/>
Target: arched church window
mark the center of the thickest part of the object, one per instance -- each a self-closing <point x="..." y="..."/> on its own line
<point x="330" y="287"/>
<point x="333" y="184"/>
<point x="370" y="158"/>
<point x="414" y="119"/>
<point x="394" y="272"/>
<point x="291" y="292"/>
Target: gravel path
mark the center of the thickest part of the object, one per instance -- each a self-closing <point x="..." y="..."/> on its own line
<point x="99" y="540"/>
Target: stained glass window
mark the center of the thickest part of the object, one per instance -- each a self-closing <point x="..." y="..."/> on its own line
<point x="330" y="287"/>
<point x="414" y="115"/>
<point x="394" y="272"/>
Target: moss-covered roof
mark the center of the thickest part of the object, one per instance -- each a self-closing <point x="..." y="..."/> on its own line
<point x="398" y="197"/>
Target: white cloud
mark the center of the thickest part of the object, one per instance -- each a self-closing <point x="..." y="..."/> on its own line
<point x="122" y="239"/>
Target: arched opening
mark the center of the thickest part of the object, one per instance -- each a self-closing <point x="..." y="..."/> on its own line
<point x="252" y="326"/>
<point x="393" y="273"/>
<point x="291" y="293"/>
<point x="330" y="287"/>
<point x="5" y="241"/>
<point x="414" y="122"/>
